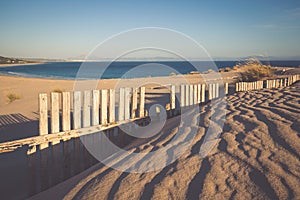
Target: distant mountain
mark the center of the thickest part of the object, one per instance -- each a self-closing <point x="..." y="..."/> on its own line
<point x="5" y="60"/>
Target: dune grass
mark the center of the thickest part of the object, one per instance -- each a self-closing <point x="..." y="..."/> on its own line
<point x="11" y="97"/>
<point x="58" y="90"/>
<point x="254" y="70"/>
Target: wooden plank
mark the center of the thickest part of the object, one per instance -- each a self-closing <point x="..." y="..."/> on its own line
<point x="86" y="114"/>
<point x="95" y="107"/>
<point x="172" y="97"/>
<point x="210" y="90"/>
<point x="66" y="111"/>
<point x="203" y="93"/>
<point x="121" y="105"/>
<point x="104" y="101"/>
<point x="134" y="103"/>
<point x="182" y="96"/>
<point x="226" y="89"/>
<point x="43" y="112"/>
<point x="142" y="102"/>
<point x="187" y="95"/>
<point x="54" y="112"/>
<point x="195" y="94"/>
<point x="199" y="93"/>
<point x="191" y="98"/>
<point x="76" y="110"/>
<point x="43" y="140"/>
<point x="112" y="106"/>
<point x="127" y="103"/>
<point x="217" y="90"/>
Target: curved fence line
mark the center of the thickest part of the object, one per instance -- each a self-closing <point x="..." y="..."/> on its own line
<point x="72" y="114"/>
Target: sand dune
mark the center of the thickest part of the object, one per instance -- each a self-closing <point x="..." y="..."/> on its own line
<point x="256" y="157"/>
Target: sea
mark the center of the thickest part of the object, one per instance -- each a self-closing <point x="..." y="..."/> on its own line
<point x="121" y="69"/>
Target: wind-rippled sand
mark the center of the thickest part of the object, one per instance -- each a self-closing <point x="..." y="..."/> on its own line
<point x="256" y="156"/>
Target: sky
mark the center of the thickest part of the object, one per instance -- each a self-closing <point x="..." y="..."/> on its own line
<point x="226" y="29"/>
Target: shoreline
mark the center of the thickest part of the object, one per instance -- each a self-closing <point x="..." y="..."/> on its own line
<point x="28" y="88"/>
<point x="21" y="64"/>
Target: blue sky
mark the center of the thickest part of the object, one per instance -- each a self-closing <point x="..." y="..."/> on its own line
<point x="227" y="29"/>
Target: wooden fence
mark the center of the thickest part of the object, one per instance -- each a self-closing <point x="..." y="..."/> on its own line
<point x="81" y="109"/>
<point x="270" y="83"/>
<point x="246" y="86"/>
<point x="72" y="114"/>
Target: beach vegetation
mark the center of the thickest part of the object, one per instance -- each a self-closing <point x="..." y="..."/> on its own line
<point x="58" y="90"/>
<point x="254" y="70"/>
<point x="11" y="97"/>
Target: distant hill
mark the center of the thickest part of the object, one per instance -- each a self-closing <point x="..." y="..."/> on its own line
<point x="5" y="60"/>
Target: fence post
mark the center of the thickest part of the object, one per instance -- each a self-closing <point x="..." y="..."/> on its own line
<point x="103" y="117"/>
<point x="54" y="112"/>
<point x="195" y="94"/>
<point x="191" y="95"/>
<point x="77" y="110"/>
<point x="182" y="93"/>
<point x="112" y="106"/>
<point x="142" y="102"/>
<point x="43" y="110"/>
<point x="226" y="88"/>
<point x="127" y="103"/>
<point x="66" y="111"/>
<point x="134" y="103"/>
<point x="187" y="102"/>
<point x="121" y="105"/>
<point x="86" y="114"/>
<point x="217" y="90"/>
<point x="95" y="107"/>
<point x="172" y="97"/>
<point x="209" y="91"/>
<point x="199" y="93"/>
<point x="203" y="93"/>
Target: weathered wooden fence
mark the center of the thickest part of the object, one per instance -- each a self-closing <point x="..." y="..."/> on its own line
<point x="80" y="109"/>
<point x="62" y="114"/>
<point x="99" y="107"/>
<point x="246" y="86"/>
<point x="270" y="83"/>
<point x="66" y="116"/>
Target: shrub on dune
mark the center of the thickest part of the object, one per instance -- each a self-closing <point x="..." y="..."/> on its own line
<point x="11" y="97"/>
<point x="253" y="70"/>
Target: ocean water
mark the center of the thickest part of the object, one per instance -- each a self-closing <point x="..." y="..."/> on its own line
<point x="104" y="70"/>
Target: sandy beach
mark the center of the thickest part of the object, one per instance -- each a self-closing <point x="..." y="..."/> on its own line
<point x="29" y="88"/>
<point x="22" y="114"/>
<point x="150" y="100"/>
<point x="20" y="64"/>
<point x="256" y="157"/>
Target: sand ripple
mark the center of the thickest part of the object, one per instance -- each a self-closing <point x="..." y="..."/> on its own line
<point x="256" y="157"/>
